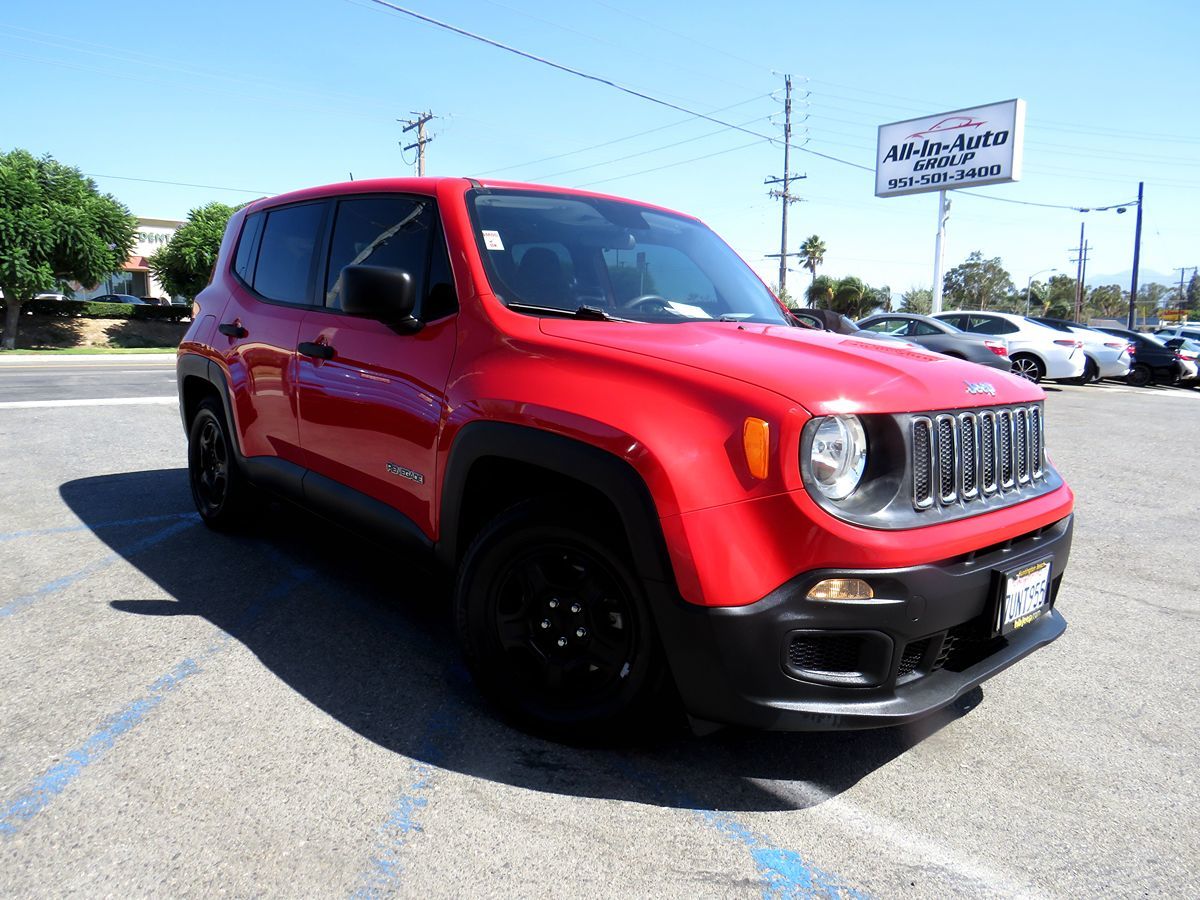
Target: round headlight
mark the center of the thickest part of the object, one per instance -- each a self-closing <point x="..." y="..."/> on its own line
<point x="838" y="456"/>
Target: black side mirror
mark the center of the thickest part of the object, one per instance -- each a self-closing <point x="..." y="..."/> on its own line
<point x="378" y="292"/>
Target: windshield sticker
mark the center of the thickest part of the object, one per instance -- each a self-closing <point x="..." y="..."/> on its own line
<point x="491" y="240"/>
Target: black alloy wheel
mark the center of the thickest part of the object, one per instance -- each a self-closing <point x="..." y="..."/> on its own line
<point x="1139" y="376"/>
<point x="1091" y="371"/>
<point x="221" y="495"/>
<point x="1028" y="367"/>
<point x="554" y="626"/>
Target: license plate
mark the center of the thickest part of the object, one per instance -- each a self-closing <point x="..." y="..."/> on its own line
<point x="1024" y="595"/>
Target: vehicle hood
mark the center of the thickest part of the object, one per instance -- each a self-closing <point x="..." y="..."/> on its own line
<point x="823" y="372"/>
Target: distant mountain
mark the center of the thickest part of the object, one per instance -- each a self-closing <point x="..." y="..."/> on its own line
<point x="1145" y="276"/>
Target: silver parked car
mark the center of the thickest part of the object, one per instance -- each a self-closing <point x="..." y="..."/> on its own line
<point x="1106" y="356"/>
<point x="941" y="337"/>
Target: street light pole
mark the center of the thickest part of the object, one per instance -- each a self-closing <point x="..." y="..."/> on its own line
<point x="1029" y="285"/>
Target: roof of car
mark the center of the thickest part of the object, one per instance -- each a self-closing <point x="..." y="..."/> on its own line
<point x="429" y="186"/>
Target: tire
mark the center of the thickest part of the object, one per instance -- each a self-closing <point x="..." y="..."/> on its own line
<point x="1091" y="373"/>
<point x="1028" y="367"/>
<point x="555" y="628"/>
<point x="1139" y="376"/>
<point x="220" y="491"/>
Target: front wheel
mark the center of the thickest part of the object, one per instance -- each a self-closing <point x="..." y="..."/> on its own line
<point x="1028" y="367"/>
<point x="555" y="627"/>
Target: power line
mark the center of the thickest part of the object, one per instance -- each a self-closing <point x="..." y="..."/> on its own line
<point x="208" y="187"/>
<point x="599" y="79"/>
<point x="619" y="140"/>
<point x="669" y="166"/>
<point x="606" y="162"/>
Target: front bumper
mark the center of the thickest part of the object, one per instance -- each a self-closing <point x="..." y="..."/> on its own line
<point x="922" y="643"/>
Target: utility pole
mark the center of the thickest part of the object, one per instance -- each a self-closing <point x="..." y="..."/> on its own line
<point x="1080" y="271"/>
<point x="1182" y="294"/>
<point x="1137" y="252"/>
<point x="419" y="124"/>
<point x="784" y="193"/>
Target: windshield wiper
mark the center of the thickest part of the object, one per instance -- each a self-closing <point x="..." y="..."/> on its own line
<point x="589" y="313"/>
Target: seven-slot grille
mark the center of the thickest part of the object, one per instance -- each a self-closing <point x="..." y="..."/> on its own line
<point x="961" y="457"/>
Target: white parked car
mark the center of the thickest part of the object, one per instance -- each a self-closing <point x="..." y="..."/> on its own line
<point x="1191" y="332"/>
<point x="1036" y="350"/>
<point x="1107" y="356"/>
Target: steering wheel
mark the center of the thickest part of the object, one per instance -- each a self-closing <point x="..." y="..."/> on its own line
<point x="648" y="302"/>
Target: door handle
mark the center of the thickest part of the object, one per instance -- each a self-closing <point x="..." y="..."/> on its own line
<point x="316" y="351"/>
<point x="232" y="329"/>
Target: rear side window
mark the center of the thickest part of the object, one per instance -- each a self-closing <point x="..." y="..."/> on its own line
<point x="243" y="263"/>
<point x="285" y="255"/>
<point x="988" y="325"/>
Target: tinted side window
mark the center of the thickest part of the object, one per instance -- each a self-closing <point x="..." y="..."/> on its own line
<point x="247" y="249"/>
<point x="379" y="231"/>
<point x="956" y="321"/>
<point x="285" y="254"/>
<point x="921" y="329"/>
<point x="988" y="325"/>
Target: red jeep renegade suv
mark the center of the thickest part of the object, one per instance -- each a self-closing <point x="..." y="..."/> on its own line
<point x="646" y="476"/>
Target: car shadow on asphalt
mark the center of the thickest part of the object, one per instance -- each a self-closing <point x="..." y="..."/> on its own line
<point x="365" y="634"/>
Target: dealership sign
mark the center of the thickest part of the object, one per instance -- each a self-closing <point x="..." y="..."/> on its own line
<point x="964" y="148"/>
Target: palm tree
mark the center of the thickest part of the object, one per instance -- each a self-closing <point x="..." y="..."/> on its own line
<point x="812" y="254"/>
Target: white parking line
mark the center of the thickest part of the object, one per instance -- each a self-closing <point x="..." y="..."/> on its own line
<point x="99" y="401"/>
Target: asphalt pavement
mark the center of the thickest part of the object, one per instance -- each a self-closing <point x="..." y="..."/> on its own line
<point x="45" y="377"/>
<point x="284" y="713"/>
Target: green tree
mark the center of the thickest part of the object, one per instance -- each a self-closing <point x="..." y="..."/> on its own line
<point x="848" y="296"/>
<point x="55" y="226"/>
<point x="917" y="300"/>
<point x="1058" y="299"/>
<point x="876" y="298"/>
<point x="1152" y="295"/>
<point x="184" y="264"/>
<point x="976" y="282"/>
<point x="1107" y="302"/>
<point x="1193" y="292"/>
<point x="812" y="254"/>
<point x="820" y="293"/>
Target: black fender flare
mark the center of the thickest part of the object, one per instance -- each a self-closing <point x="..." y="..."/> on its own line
<point x="193" y="365"/>
<point x="614" y="477"/>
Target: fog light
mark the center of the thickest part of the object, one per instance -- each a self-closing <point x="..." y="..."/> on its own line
<point x="841" y="589"/>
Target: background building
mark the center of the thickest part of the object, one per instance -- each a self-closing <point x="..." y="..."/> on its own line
<point x="135" y="277"/>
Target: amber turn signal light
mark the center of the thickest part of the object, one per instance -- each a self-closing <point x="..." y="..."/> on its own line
<point x="841" y="589"/>
<point x="756" y="441"/>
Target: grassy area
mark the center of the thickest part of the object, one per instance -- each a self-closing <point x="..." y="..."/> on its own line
<point x="92" y="351"/>
<point x="59" y="334"/>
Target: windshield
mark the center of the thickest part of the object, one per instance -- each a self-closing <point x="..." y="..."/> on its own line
<point x="560" y="252"/>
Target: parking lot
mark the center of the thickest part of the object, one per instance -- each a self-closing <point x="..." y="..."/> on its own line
<point x="285" y="713"/>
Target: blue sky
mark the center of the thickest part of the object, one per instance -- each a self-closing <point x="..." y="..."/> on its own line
<point x="266" y="98"/>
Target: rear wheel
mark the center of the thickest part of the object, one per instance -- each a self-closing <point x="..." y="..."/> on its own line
<point x="1091" y="373"/>
<point x="1028" y="367"/>
<point x="1139" y="376"/>
<point x="222" y="495"/>
<point x="554" y="625"/>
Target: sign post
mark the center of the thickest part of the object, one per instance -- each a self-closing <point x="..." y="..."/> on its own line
<point x="948" y="151"/>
